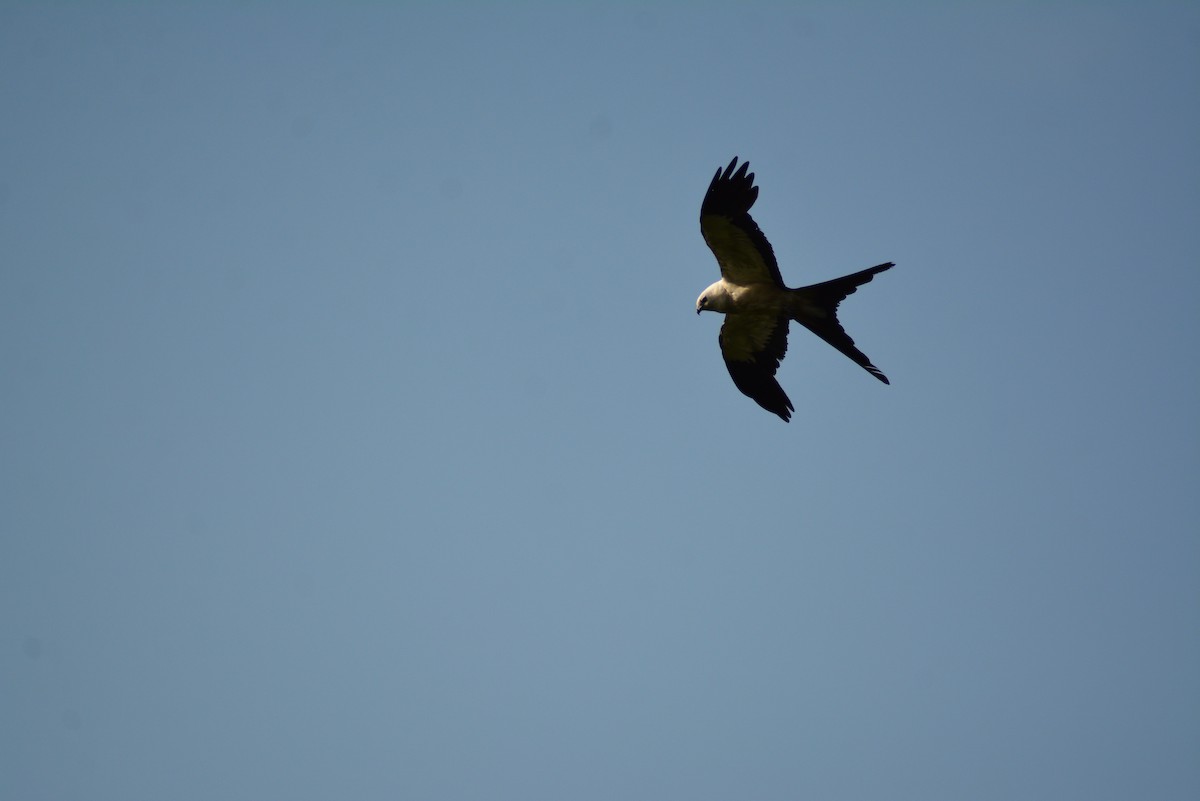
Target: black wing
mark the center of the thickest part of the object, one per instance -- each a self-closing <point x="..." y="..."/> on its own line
<point x="743" y="252"/>
<point x="753" y="345"/>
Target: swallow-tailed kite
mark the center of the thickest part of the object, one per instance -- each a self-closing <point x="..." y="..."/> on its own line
<point x="756" y="304"/>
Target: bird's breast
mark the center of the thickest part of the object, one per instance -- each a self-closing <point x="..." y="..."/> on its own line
<point x="757" y="298"/>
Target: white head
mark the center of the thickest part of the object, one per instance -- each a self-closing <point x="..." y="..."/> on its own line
<point x="715" y="298"/>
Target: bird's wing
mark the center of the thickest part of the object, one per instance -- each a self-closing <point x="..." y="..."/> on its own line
<point x="753" y="345"/>
<point x="743" y="252"/>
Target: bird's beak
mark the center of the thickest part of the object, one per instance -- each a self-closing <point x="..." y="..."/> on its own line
<point x="698" y="310"/>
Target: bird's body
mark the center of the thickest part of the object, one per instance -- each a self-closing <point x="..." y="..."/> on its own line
<point x="757" y="305"/>
<point x="730" y="298"/>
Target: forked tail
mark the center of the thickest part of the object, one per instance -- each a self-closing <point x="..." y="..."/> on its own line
<point x="815" y="308"/>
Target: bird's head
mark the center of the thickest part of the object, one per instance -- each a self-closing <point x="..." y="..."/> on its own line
<point x="716" y="298"/>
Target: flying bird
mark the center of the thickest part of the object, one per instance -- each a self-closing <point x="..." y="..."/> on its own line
<point x="752" y="296"/>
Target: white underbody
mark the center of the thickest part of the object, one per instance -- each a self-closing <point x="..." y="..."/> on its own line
<point x="732" y="298"/>
<point x="756" y="298"/>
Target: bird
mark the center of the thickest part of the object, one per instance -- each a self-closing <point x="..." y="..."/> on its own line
<point x="758" y="307"/>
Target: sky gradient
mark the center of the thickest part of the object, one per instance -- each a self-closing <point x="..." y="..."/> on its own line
<point x="361" y="441"/>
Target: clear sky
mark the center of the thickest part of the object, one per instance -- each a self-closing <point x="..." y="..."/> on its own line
<point x="360" y="439"/>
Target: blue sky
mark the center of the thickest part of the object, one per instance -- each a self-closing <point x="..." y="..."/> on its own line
<point x="361" y="440"/>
